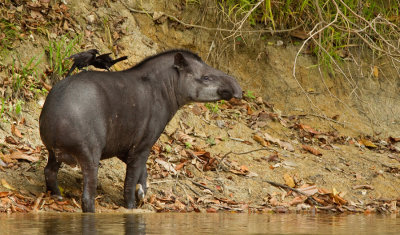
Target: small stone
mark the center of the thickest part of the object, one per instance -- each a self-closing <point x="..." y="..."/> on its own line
<point x="90" y="19"/>
<point x="279" y="43"/>
<point x="220" y="123"/>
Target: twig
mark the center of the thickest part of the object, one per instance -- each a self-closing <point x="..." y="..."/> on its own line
<point x="200" y="185"/>
<point x="328" y="119"/>
<point x="194" y="191"/>
<point x="209" y="28"/>
<point x="294" y="190"/>
<point x="244" y="19"/>
<point x="254" y="150"/>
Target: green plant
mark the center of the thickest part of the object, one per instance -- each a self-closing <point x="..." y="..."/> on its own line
<point x="249" y="94"/>
<point x="18" y="106"/>
<point x="212" y="107"/>
<point x="3" y="106"/>
<point x="58" y="51"/>
<point x="29" y="71"/>
<point x="188" y="145"/>
<point x="9" y="32"/>
<point x="211" y="141"/>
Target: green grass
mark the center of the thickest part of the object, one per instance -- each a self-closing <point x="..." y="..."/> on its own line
<point x="249" y="94"/>
<point x="9" y="32"/>
<point x="286" y="14"/>
<point x="27" y="74"/>
<point x="58" y="51"/>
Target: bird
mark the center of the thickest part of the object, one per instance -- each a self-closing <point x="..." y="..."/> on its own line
<point x="105" y="61"/>
<point x="83" y="59"/>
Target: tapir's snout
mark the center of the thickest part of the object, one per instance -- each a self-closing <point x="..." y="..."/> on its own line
<point x="230" y="89"/>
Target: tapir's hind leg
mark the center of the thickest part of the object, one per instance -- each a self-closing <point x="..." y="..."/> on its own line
<point x="136" y="173"/>
<point x="89" y="162"/>
<point x="50" y="173"/>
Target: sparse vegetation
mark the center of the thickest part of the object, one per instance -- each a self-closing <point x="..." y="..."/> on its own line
<point x="335" y="26"/>
<point x="57" y="52"/>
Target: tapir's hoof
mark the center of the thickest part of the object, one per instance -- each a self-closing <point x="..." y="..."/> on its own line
<point x="139" y="195"/>
<point x="57" y="197"/>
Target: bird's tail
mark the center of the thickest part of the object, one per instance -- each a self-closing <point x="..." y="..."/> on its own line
<point x="119" y="59"/>
<point x="71" y="69"/>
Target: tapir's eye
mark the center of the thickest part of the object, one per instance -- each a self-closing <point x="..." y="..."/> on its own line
<point x="205" y="78"/>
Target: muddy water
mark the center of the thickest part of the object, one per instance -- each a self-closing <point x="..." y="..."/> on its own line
<point x="191" y="223"/>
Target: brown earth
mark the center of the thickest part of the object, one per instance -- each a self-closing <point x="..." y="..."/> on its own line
<point x="344" y="147"/>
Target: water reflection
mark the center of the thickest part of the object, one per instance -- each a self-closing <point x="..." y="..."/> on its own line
<point x="222" y="223"/>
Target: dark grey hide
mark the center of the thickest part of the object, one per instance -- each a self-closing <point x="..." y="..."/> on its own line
<point x="97" y="115"/>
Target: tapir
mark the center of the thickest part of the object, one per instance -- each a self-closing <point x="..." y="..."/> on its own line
<point x="95" y="115"/>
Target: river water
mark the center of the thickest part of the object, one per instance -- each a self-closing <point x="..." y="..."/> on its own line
<point x="197" y="223"/>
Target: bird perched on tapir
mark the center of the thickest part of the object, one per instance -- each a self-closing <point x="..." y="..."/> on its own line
<point x="97" y="115"/>
<point x="82" y="59"/>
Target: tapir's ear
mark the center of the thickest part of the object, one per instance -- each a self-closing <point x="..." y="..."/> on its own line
<point x="180" y="61"/>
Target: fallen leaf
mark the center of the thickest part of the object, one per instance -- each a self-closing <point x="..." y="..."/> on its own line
<point x="15" y="131"/>
<point x="4" y="194"/>
<point x="300" y="34"/>
<point x="6" y="185"/>
<point x="287" y="146"/>
<point x="179" y="166"/>
<point x="20" y="155"/>
<point x="244" y="168"/>
<point x="308" y="129"/>
<point x="367" y="143"/>
<point x="249" y="110"/>
<point x="260" y="140"/>
<point x="211" y="210"/>
<point x="179" y="205"/>
<point x="168" y="166"/>
<point x="271" y="139"/>
<point x="289" y="180"/>
<point x="375" y="71"/>
<point x="11" y="140"/>
<point x="308" y="190"/>
<point x="311" y="150"/>
<point x="394" y="139"/>
<point x="297" y="200"/>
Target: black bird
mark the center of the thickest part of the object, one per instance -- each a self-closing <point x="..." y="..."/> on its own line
<point x="83" y="59"/>
<point x="105" y="61"/>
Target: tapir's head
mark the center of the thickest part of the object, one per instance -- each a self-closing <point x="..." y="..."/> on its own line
<point x="202" y="83"/>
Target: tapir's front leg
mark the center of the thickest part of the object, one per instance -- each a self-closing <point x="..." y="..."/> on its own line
<point x="136" y="173"/>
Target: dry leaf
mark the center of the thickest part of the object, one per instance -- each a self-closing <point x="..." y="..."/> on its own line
<point x="375" y="71"/>
<point x="168" y="166"/>
<point x="308" y="190"/>
<point x="6" y="185"/>
<point x="4" y="194"/>
<point x="15" y="131"/>
<point x="311" y="150"/>
<point x="367" y="143"/>
<point x="309" y="129"/>
<point x="11" y="140"/>
<point x="289" y="181"/>
<point x="297" y="200"/>
<point x="179" y="205"/>
<point x="20" y="155"/>
<point x="179" y="166"/>
<point x="287" y="146"/>
<point x="260" y="140"/>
